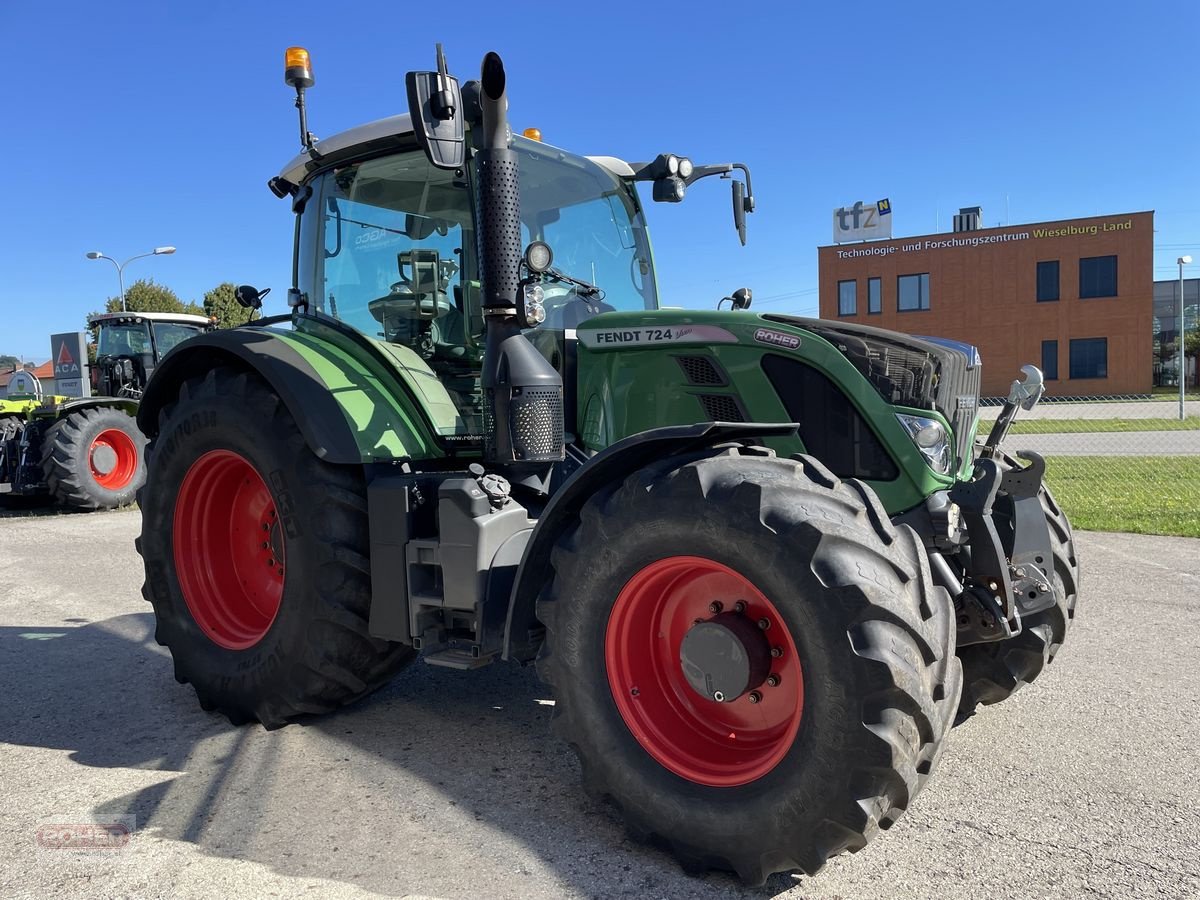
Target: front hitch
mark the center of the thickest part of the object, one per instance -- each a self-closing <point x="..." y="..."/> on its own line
<point x="1008" y="573"/>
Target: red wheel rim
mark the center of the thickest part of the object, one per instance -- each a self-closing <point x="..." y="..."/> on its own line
<point x="704" y="741"/>
<point x="113" y="458"/>
<point x="229" y="549"/>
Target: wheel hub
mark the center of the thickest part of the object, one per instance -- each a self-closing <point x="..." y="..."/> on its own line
<point x="104" y="458"/>
<point x="724" y="657"/>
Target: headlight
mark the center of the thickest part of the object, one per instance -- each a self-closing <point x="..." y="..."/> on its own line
<point x="685" y="167"/>
<point x="931" y="439"/>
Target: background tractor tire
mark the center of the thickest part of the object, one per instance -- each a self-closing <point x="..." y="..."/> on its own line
<point x="832" y="751"/>
<point x="92" y="459"/>
<point x="994" y="671"/>
<point x="257" y="558"/>
<point x="10" y="427"/>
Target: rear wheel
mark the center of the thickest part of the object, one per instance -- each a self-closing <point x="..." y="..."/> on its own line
<point x="92" y="459"/>
<point x="994" y="671"/>
<point x="749" y="660"/>
<point x="256" y="557"/>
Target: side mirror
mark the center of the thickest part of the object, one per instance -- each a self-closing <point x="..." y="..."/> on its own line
<point x="739" y="210"/>
<point x="250" y="297"/>
<point x="742" y="296"/>
<point x="435" y="105"/>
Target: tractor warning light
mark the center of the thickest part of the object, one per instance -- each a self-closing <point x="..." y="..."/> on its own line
<point x="534" y="134"/>
<point x="297" y="69"/>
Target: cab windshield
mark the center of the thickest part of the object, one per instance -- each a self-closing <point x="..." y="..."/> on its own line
<point x="399" y="245"/>
<point x="129" y="339"/>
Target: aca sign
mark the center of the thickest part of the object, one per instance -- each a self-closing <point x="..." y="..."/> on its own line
<point x="861" y="222"/>
<point x="69" y="353"/>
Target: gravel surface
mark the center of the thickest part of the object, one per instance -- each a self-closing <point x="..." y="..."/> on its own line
<point x="449" y="784"/>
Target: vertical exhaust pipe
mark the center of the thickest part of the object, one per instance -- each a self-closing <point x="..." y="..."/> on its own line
<point x="523" y="393"/>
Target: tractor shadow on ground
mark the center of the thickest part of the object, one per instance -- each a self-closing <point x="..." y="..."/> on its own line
<point x="444" y="783"/>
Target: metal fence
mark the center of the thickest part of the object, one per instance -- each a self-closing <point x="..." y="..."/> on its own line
<point x="1117" y="463"/>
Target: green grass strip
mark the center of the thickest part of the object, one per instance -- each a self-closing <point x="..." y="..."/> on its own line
<point x="1082" y="426"/>
<point x="1140" y="494"/>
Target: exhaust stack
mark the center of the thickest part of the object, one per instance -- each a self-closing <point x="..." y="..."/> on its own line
<point x="523" y="393"/>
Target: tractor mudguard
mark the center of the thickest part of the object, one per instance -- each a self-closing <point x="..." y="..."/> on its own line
<point x="288" y="373"/>
<point x="127" y="405"/>
<point x="610" y="466"/>
<point x="347" y="413"/>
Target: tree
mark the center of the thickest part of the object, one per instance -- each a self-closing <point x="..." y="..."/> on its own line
<point x="1191" y="344"/>
<point x="144" y="295"/>
<point x="221" y="303"/>
<point x="8" y="362"/>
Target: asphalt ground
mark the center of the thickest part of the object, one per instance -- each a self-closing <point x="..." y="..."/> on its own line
<point x="450" y="784"/>
<point x="1109" y="443"/>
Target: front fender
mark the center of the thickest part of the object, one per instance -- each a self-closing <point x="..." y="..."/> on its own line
<point x="347" y="412"/>
<point x="610" y="466"/>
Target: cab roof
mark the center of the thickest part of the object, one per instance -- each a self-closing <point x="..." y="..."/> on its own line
<point x="393" y="130"/>
<point x="130" y="316"/>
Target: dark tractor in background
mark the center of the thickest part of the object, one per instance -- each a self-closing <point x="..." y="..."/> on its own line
<point x="85" y="453"/>
<point x="753" y="555"/>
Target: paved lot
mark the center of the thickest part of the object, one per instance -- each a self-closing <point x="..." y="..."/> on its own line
<point x="1131" y="409"/>
<point x="449" y="784"/>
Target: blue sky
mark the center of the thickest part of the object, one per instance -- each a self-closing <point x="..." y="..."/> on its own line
<point x="130" y="125"/>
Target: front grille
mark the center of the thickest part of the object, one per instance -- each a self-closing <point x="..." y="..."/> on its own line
<point x="722" y="408"/>
<point x="922" y="373"/>
<point x="958" y="401"/>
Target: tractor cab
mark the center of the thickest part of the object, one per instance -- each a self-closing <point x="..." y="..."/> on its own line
<point x="129" y="346"/>
<point x="387" y="244"/>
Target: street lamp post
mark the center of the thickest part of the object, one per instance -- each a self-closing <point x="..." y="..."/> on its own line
<point x="157" y="251"/>
<point x="1183" y="261"/>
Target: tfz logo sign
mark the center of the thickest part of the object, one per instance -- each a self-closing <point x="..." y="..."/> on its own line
<point x="861" y="222"/>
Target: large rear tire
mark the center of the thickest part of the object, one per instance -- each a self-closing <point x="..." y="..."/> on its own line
<point x="256" y="558"/>
<point x="92" y="459"/>
<point x="994" y="671"/>
<point x="798" y="767"/>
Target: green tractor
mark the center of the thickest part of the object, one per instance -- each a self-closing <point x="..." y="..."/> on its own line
<point x="761" y="560"/>
<point x="85" y="453"/>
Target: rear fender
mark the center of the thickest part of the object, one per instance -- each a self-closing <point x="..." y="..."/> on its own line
<point x="348" y="412"/>
<point x="522" y="630"/>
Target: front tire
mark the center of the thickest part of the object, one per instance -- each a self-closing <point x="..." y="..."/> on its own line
<point x="820" y="760"/>
<point x="92" y="459"/>
<point x="257" y="558"/>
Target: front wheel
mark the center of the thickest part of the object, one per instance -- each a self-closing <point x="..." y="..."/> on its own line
<point x="749" y="659"/>
<point x="256" y="558"/>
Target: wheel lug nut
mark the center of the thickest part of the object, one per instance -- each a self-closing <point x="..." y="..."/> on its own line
<point x="773" y="680"/>
<point x="281" y="573"/>
<point x="633" y="692"/>
<point x="764" y="624"/>
<point x="776" y="652"/>
<point x="716" y="606"/>
<point x="740" y="606"/>
<point x="266" y="545"/>
<point x="266" y="527"/>
<point x="754" y="697"/>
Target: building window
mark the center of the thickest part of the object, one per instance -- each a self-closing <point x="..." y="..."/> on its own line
<point x="1089" y="358"/>
<point x="1050" y="360"/>
<point x="912" y="292"/>
<point x="847" y="298"/>
<point x="1098" y="276"/>
<point x="1047" y="280"/>
<point x="874" y="295"/>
